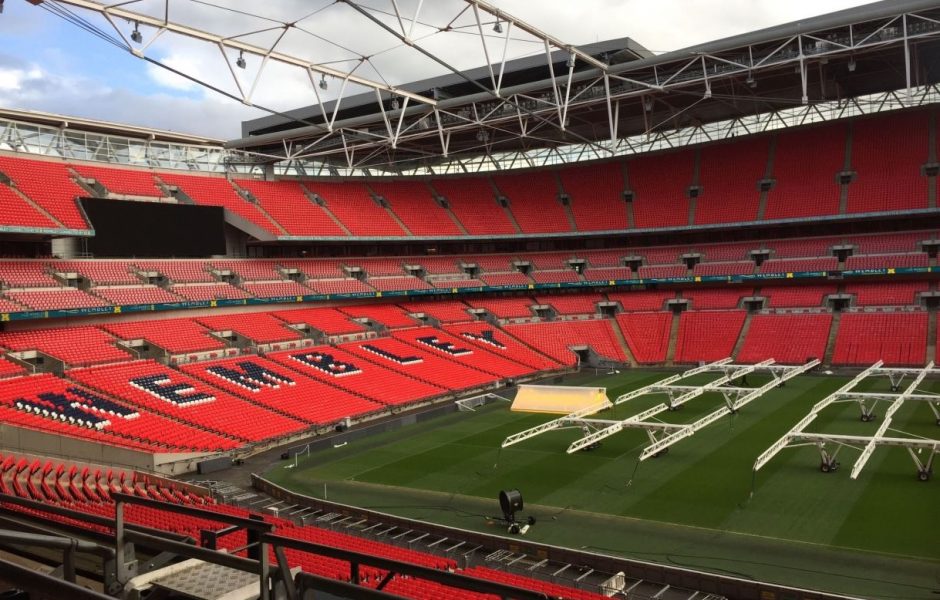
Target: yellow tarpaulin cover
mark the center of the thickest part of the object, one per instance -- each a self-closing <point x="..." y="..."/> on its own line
<point x="557" y="399"/>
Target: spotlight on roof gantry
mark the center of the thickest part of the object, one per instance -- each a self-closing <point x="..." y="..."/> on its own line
<point x="136" y="37"/>
<point x="323" y="84"/>
<point x="498" y="27"/>
<point x="240" y="61"/>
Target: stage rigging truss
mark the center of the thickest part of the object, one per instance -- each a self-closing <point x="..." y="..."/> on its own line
<point x="866" y="445"/>
<point x="662" y="435"/>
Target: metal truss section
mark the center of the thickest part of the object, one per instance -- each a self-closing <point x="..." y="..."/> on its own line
<point x="798" y="436"/>
<point x="662" y="435"/>
<point x="583" y="104"/>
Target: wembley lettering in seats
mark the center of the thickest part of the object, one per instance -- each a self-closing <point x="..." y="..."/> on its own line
<point x="180" y="394"/>
<point x="485" y="337"/>
<point x="435" y="342"/>
<point x="252" y="376"/>
<point x="402" y="360"/>
<point x="326" y="363"/>
<point x="76" y="407"/>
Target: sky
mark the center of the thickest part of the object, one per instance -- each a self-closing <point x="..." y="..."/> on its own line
<point x="50" y="65"/>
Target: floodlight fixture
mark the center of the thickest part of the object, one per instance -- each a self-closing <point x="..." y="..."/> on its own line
<point x="750" y="81"/>
<point x="395" y="104"/>
<point x="852" y="65"/>
<point x="571" y="61"/>
<point x="136" y="37"/>
<point x="323" y="84"/>
<point x="498" y="27"/>
<point x="240" y="61"/>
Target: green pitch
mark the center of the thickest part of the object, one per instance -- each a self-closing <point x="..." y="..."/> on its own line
<point x="699" y="506"/>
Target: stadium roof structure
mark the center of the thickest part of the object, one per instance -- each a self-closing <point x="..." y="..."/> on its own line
<point x="557" y="103"/>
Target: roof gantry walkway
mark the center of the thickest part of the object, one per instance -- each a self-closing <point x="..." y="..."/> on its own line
<point x="662" y="435"/>
<point x="866" y="445"/>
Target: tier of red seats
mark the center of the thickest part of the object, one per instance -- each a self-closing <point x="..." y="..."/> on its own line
<point x="595" y="194"/>
<point x="786" y="338"/>
<point x="484" y="335"/>
<point x="387" y="314"/>
<point x="663" y="271"/>
<point x="896" y="338"/>
<point x="139" y="294"/>
<point x="166" y="391"/>
<point x="734" y="252"/>
<point x="421" y="364"/>
<point x="505" y="308"/>
<point x="209" y="291"/>
<point x="89" y="491"/>
<point x="46" y="403"/>
<point x="796" y="265"/>
<point x="659" y="184"/>
<point x="713" y="298"/>
<point x="707" y="336"/>
<point x="9" y="306"/>
<point x="55" y="298"/>
<point x="891" y="243"/>
<point x="802" y="247"/>
<point x="261" y="328"/>
<point x="887" y="155"/>
<point x="641" y="300"/>
<point x="395" y="284"/>
<point x="607" y="273"/>
<point x="276" y="387"/>
<point x="881" y="261"/>
<point x="339" y="368"/>
<point x="351" y="203"/>
<point x="217" y="191"/>
<point x="179" y="271"/>
<point x="449" y="347"/>
<point x="806" y="164"/>
<point x="16" y="212"/>
<point x="456" y="283"/>
<point x="723" y="268"/>
<point x="287" y="204"/>
<point x="101" y="272"/>
<point x="327" y="320"/>
<point x="572" y="304"/>
<point x="728" y="176"/>
<point x="797" y="296"/>
<point x="413" y="203"/>
<point x="173" y="335"/>
<point x="26" y="273"/>
<point x="557" y="276"/>
<point x="9" y="368"/>
<point x="346" y="285"/>
<point x="315" y="268"/>
<point x="379" y="266"/>
<point x="131" y="182"/>
<point x="647" y="335"/>
<point x="444" y="311"/>
<point x="250" y="269"/>
<point x="555" y="338"/>
<point x="891" y="293"/>
<point x="533" y="201"/>
<point x="472" y="201"/>
<point x="48" y="184"/>
<point x="275" y="289"/>
<point x="75" y="346"/>
<point x="499" y="279"/>
<point x="438" y="264"/>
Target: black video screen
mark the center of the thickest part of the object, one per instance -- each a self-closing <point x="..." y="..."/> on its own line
<point x="126" y="229"/>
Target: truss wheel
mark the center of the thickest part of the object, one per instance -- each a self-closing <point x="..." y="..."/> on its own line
<point x="869" y="417"/>
<point x="924" y="474"/>
<point x="825" y="467"/>
<point x="662" y="452"/>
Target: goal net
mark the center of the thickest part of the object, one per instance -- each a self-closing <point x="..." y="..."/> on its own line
<point x="557" y="399"/>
